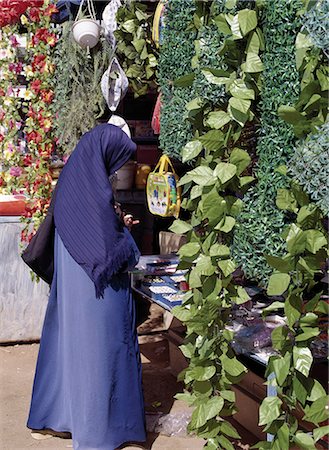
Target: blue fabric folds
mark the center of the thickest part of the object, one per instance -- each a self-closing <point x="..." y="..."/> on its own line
<point x="88" y="377"/>
<point x="84" y="214"/>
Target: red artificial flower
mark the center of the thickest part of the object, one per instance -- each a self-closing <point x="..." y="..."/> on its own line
<point x="47" y="95"/>
<point x="38" y="63"/>
<point x="34" y="14"/>
<point x="36" y="86"/>
<point x="27" y="160"/>
<point x="14" y="42"/>
<point x="11" y="10"/>
<point x="50" y="10"/>
<point x="34" y="136"/>
<point x="2" y="92"/>
<point x="31" y="113"/>
<point x="1" y="137"/>
<point x="2" y="181"/>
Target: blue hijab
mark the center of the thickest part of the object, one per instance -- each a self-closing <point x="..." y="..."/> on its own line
<point x="84" y="205"/>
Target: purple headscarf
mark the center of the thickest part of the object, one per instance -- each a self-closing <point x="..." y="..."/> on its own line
<point x="84" y="214"/>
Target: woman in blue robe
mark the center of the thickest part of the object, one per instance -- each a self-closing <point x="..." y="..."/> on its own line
<point x="88" y="375"/>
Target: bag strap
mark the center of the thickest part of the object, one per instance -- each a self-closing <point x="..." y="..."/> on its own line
<point x="163" y="164"/>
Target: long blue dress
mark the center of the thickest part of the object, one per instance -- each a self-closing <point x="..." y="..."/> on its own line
<point x="88" y="376"/>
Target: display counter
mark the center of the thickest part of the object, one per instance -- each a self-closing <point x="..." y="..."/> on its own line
<point x="157" y="279"/>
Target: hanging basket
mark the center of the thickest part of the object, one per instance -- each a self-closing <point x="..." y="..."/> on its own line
<point x="86" y="32"/>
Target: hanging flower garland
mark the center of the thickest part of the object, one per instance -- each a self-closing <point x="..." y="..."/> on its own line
<point x="11" y="144"/>
<point x="39" y="110"/>
<point x="26" y="149"/>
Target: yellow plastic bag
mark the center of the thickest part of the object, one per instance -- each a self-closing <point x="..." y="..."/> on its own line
<point x="163" y="194"/>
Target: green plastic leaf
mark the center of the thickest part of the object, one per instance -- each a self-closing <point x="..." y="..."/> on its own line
<point x="315" y="240"/>
<point x="229" y="430"/>
<point x="308" y="334"/>
<point x="200" y="373"/>
<point x="273" y="307"/>
<point x="215" y="79"/>
<point x="194" y="104"/>
<point x="317" y="391"/>
<point x="190" y="249"/>
<point x="301" y="386"/>
<point x="280" y="337"/>
<point x="304" y="440"/>
<point x="240" y="158"/>
<point x="281" y="368"/>
<point x="318" y="411"/>
<point x="233" y="367"/>
<point x="217" y="119"/>
<point x="201" y="175"/>
<point x="180" y="227"/>
<point x="213" y="207"/>
<point x="235" y="27"/>
<point x="278" y="283"/>
<point x="226" y="225"/>
<point x="281" y="264"/>
<point x="247" y="20"/>
<point x="239" y="89"/>
<point x="225" y="443"/>
<point x="283" y="437"/>
<point x="253" y="45"/>
<point x="240" y="104"/>
<point x="293" y="308"/>
<point x="191" y="150"/>
<point x="194" y="279"/>
<point x="227" y="266"/>
<point x="290" y="114"/>
<point x="219" y="250"/>
<point x="244" y="181"/>
<point x="296" y="240"/>
<point x="213" y="140"/>
<point x="270" y="409"/>
<point x="302" y="359"/>
<point x="303" y="41"/>
<point x="196" y="192"/>
<point x="253" y="64"/>
<point x="185" y="80"/>
<point x="225" y="172"/>
<point x="204" y="265"/>
<point x="242" y="297"/>
<point x="222" y="24"/>
<point x="182" y="313"/>
<point x="213" y="407"/>
<point x="202" y="388"/>
<point x="318" y="433"/>
<point x="286" y="200"/>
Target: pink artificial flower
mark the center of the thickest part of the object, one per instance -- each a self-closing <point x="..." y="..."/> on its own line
<point x="15" y="171"/>
<point x="14" y="41"/>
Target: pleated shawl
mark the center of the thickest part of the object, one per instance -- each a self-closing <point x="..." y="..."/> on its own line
<point x="84" y="213"/>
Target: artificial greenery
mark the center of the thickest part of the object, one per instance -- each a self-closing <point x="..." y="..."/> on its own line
<point x="260" y="224"/>
<point x="311" y="109"/>
<point x="316" y="23"/>
<point x="176" y="52"/>
<point x="135" y="49"/>
<point x="212" y="190"/>
<point x="309" y="166"/>
<point x="78" y="97"/>
<point x="296" y="277"/>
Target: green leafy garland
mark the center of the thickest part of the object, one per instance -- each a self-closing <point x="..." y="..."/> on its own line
<point x="219" y="174"/>
<point x="260" y="224"/>
<point x="78" y="97"/>
<point x="135" y="48"/>
<point x="297" y="275"/>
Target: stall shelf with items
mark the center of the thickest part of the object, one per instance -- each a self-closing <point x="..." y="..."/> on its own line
<point x="157" y="279"/>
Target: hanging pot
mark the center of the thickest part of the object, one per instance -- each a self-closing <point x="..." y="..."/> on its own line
<point x="86" y="32"/>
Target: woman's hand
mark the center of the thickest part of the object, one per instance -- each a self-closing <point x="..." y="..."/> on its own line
<point x="129" y="221"/>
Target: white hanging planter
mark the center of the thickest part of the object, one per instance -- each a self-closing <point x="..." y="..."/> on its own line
<point x="86" y="31"/>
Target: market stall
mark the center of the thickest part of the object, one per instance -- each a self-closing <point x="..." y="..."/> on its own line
<point x="227" y="103"/>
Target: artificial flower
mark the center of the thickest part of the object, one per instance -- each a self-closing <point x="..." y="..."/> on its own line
<point x="15" y="171"/>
